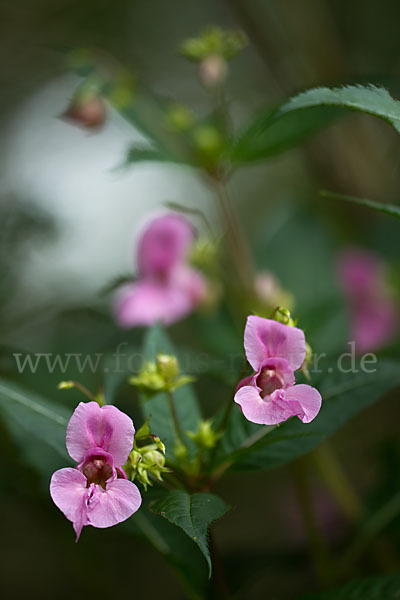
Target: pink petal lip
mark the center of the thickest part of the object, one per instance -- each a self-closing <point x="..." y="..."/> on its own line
<point x="266" y="338"/>
<point x="93" y="505"/>
<point x="115" y="504"/>
<point x="150" y="300"/>
<point x="164" y="244"/>
<point x="302" y="401"/>
<point x="69" y="493"/>
<point x="308" y="400"/>
<point x="168" y="288"/>
<point x="106" y="427"/>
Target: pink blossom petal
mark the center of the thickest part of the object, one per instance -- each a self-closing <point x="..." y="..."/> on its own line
<point x="250" y="380"/>
<point x="374" y="324"/>
<point x="164" y="244"/>
<point x="69" y="493"/>
<point x="282" y="368"/>
<point x="359" y="272"/>
<point x="268" y="411"/>
<point x="302" y="401"/>
<point x="373" y="311"/>
<point x="148" y="301"/>
<point x="265" y="338"/>
<point x="115" y="504"/>
<point x="191" y="282"/>
<point x="104" y="427"/>
<point x="307" y="398"/>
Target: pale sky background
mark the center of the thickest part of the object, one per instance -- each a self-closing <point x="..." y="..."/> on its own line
<point x="71" y="174"/>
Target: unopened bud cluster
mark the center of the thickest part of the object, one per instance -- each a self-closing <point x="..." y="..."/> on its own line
<point x="212" y="50"/>
<point x="205" y="437"/>
<point x="146" y="459"/>
<point x="161" y="375"/>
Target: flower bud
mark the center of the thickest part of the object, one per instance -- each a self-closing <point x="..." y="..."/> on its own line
<point x="144" y="460"/>
<point x="168" y="367"/>
<point x="205" y="437"/>
<point x="159" y="443"/>
<point x="87" y="109"/>
<point x="214" y="41"/>
<point x="181" y="452"/>
<point x="160" y="376"/>
<point x="179" y="118"/>
<point x="307" y="361"/>
<point x="213" y="71"/>
<point x="269" y="292"/>
<point x="208" y="140"/>
<point x="282" y="315"/>
<point x="66" y="385"/>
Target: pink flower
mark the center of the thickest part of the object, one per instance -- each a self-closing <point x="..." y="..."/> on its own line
<point x="373" y="312"/>
<point x="97" y="491"/>
<point x="270" y="396"/>
<point x="168" y="289"/>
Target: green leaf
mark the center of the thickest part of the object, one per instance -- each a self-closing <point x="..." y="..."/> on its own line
<point x="389" y="209"/>
<point x="344" y="395"/>
<point x="174" y="545"/>
<point x="140" y="154"/>
<point x="303" y="115"/>
<point x="38" y="417"/>
<point x="193" y="513"/>
<point x="37" y="426"/>
<point x="156" y="342"/>
<point x="385" y="587"/>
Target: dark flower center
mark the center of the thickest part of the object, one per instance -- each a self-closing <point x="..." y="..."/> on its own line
<point x="269" y="381"/>
<point x="97" y="471"/>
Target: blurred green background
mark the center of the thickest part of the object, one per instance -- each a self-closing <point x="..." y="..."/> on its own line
<point x="68" y="221"/>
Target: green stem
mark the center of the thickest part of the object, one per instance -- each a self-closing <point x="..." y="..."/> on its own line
<point x="318" y="546"/>
<point x="217" y="474"/>
<point x="175" y="420"/>
<point x="84" y="390"/>
<point x="335" y="479"/>
<point x="238" y="247"/>
<point x="219" y="578"/>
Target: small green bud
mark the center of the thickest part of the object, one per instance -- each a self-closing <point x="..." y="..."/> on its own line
<point x="159" y="443"/>
<point x="193" y="48"/>
<point x="149" y="379"/>
<point x="87" y="108"/>
<point x="214" y="41"/>
<point x="168" y="367"/>
<point x="160" y="376"/>
<point x="144" y="460"/>
<point x="213" y="71"/>
<point x="180" y="118"/>
<point x="282" y="315"/>
<point x="205" y="437"/>
<point x="66" y="385"/>
<point x="181" y="452"/>
<point x="208" y="140"/>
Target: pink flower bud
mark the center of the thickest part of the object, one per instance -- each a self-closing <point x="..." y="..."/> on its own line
<point x="87" y="111"/>
<point x="213" y="71"/>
